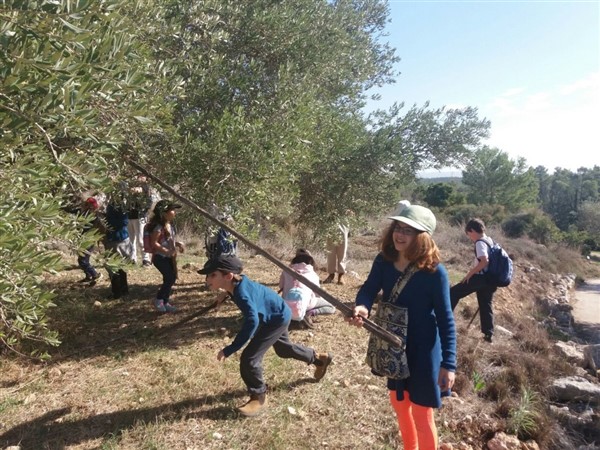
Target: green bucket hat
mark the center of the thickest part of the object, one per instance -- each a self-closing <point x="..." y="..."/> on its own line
<point x="418" y="217"/>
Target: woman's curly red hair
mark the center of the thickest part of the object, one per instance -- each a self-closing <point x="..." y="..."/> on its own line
<point x="423" y="252"/>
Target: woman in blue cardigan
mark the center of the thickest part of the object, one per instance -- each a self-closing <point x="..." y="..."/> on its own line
<point x="431" y="334"/>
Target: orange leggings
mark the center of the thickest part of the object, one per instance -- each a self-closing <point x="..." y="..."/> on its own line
<point x="416" y="424"/>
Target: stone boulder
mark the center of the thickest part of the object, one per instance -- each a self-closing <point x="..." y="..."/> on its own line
<point x="570" y="351"/>
<point x="575" y="388"/>
<point x="503" y="441"/>
<point x="591" y="355"/>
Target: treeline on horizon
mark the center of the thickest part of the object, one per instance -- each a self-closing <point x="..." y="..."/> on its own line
<point x="562" y="206"/>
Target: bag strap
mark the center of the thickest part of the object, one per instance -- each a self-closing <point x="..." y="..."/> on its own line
<point x="401" y="282"/>
<point x="485" y="242"/>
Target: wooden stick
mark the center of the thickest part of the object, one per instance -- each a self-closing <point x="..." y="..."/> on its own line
<point x="473" y="318"/>
<point x="342" y="307"/>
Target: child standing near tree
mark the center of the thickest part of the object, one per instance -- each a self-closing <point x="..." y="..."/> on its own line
<point x="219" y="241"/>
<point x="89" y="210"/>
<point x="266" y="320"/>
<point x="164" y="247"/>
<point x="116" y="240"/>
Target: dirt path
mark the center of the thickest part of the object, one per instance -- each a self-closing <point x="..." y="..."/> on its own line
<point x="586" y="311"/>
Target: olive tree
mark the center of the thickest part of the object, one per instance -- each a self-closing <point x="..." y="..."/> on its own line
<point x="493" y="178"/>
<point x="71" y="98"/>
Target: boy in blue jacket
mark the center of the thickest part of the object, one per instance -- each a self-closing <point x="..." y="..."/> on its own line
<point x="266" y="321"/>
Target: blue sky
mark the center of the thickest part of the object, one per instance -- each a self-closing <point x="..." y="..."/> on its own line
<point x="531" y="67"/>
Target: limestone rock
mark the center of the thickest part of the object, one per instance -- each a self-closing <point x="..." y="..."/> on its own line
<point x="570" y="352"/>
<point x="503" y="441"/>
<point x="591" y="355"/>
<point x="575" y="389"/>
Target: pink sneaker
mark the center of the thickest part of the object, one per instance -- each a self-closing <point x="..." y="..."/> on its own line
<point x="160" y="305"/>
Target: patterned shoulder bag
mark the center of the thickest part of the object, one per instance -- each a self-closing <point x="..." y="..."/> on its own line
<point x="385" y="359"/>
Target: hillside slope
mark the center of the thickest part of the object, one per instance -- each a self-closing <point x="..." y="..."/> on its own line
<point x="126" y="377"/>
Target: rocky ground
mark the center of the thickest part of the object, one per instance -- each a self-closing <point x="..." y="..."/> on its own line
<point x="106" y="341"/>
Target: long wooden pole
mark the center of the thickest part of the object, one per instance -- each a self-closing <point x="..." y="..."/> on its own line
<point x="473" y="318"/>
<point x="345" y="309"/>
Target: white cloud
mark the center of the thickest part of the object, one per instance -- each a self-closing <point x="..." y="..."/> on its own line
<point x="555" y="128"/>
<point x="590" y="83"/>
<point x="537" y="102"/>
<point x="512" y="92"/>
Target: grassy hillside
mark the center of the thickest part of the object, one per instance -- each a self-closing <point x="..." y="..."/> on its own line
<point x="128" y="378"/>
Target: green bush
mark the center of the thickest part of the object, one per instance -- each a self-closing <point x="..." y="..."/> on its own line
<point x="575" y="238"/>
<point x="534" y="224"/>
<point x="460" y="214"/>
<point x="515" y="226"/>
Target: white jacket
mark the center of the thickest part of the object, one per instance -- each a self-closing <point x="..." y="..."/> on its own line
<point x="307" y="299"/>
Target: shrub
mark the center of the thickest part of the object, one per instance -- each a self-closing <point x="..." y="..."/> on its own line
<point x="543" y="230"/>
<point x="460" y="214"/>
<point x="534" y="224"/>
<point x="515" y="226"/>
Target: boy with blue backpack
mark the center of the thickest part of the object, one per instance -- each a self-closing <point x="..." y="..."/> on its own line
<point x="491" y="269"/>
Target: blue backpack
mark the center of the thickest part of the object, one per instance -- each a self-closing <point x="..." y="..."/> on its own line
<point x="500" y="266"/>
<point x="296" y="300"/>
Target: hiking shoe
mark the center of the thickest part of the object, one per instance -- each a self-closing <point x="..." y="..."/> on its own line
<point x="87" y="279"/>
<point x="307" y="322"/>
<point x="146" y="264"/>
<point x="95" y="279"/>
<point x="159" y="304"/>
<point x="329" y="279"/>
<point x="295" y="325"/>
<point x="322" y="361"/>
<point x="170" y="308"/>
<point x="487" y="338"/>
<point x="256" y="405"/>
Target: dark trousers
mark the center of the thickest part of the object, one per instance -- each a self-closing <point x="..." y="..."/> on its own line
<point x="118" y="279"/>
<point x="83" y="261"/>
<point x="164" y="264"/>
<point x="265" y="337"/>
<point x="485" y="292"/>
<point x="118" y="283"/>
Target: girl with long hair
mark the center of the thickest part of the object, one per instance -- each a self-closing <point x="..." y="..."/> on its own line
<point x="408" y="247"/>
<point x="165" y="248"/>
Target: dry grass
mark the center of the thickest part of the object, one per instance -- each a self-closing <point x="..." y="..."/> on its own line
<point x="127" y="378"/>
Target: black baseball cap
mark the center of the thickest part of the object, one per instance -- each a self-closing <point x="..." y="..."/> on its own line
<point x="166" y="205"/>
<point x="226" y="263"/>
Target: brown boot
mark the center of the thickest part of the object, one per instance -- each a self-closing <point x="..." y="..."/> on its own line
<point x="308" y="323"/>
<point x="322" y="361"/>
<point x="255" y="405"/>
<point x="329" y="279"/>
<point x="340" y="281"/>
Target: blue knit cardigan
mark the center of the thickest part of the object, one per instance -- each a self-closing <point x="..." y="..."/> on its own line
<point x="431" y="334"/>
